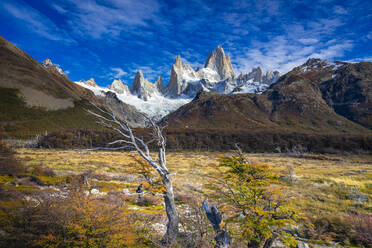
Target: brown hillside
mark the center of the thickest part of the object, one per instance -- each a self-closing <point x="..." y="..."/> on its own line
<point x="38" y="85"/>
<point x="296" y="102"/>
<point x="35" y="99"/>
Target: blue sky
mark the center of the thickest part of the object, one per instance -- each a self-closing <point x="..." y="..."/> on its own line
<point x="107" y="39"/>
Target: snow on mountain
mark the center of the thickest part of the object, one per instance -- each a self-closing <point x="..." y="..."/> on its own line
<point x="119" y="87"/>
<point x="318" y="64"/>
<point x="97" y="90"/>
<point x="157" y="99"/>
<point x="89" y="82"/>
<point x="47" y="63"/>
<point x="155" y="107"/>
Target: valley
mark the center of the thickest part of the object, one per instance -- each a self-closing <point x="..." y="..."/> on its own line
<point x="318" y="185"/>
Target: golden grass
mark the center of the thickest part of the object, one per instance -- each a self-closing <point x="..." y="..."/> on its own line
<point x="324" y="180"/>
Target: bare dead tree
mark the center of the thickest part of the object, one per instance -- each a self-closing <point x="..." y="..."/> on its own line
<point x="214" y="216"/>
<point x="130" y="141"/>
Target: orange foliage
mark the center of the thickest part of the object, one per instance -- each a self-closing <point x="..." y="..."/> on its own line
<point x="88" y="221"/>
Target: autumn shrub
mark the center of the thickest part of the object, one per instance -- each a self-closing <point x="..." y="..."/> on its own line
<point x="328" y="227"/>
<point x="78" y="220"/>
<point x="194" y="225"/>
<point x="353" y="228"/>
<point x="253" y="201"/>
<point x="9" y="165"/>
<point x="40" y="170"/>
<point x="362" y="231"/>
<point x="149" y="200"/>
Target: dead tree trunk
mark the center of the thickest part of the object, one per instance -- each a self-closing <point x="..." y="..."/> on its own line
<point x="130" y="141"/>
<point x="222" y="238"/>
<point x="170" y="209"/>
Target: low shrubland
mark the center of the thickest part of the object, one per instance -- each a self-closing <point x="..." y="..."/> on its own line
<point x="45" y="201"/>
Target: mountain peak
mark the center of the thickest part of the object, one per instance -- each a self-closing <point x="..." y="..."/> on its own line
<point x="159" y="84"/>
<point x="220" y="63"/>
<point x="142" y="87"/>
<point x="159" y="80"/>
<point x="178" y="62"/>
<point x="91" y="82"/>
<point x="47" y="63"/>
<point x="139" y="74"/>
<point x="219" y="47"/>
<point x="118" y="86"/>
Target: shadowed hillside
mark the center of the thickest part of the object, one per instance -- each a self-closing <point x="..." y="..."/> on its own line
<point x="300" y="101"/>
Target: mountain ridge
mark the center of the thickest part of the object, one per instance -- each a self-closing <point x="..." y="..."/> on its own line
<point x="316" y="97"/>
<point x="298" y="101"/>
<point x="217" y="75"/>
<point x="38" y="97"/>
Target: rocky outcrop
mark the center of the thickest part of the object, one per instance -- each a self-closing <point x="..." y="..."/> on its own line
<point x="118" y="86"/>
<point x="159" y="84"/>
<point x="257" y="75"/>
<point x="271" y="77"/>
<point x="47" y="63"/>
<point x="141" y="87"/>
<point x="90" y="82"/>
<point x="175" y="84"/>
<point x="219" y="62"/>
<point x="345" y="87"/>
<point x="122" y="110"/>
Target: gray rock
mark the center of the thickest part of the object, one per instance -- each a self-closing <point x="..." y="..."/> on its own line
<point x="220" y="63"/>
<point x="142" y="87"/>
<point x="119" y="87"/>
<point x="159" y="84"/>
<point x="180" y="75"/>
<point x="320" y="185"/>
<point x="358" y="197"/>
<point x="122" y="110"/>
<point x="302" y="245"/>
<point x="90" y="82"/>
<point x="47" y="63"/>
<point x="94" y="191"/>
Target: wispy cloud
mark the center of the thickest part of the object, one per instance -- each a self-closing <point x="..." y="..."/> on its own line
<point x="99" y="19"/>
<point x="283" y="54"/>
<point x="117" y="72"/>
<point x="115" y="38"/>
<point x="357" y="60"/>
<point x="36" y="21"/>
<point x="340" y="10"/>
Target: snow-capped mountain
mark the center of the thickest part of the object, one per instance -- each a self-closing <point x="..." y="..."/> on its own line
<point x="157" y="99"/>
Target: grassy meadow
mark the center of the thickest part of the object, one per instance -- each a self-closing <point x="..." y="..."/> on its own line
<point x="319" y="185"/>
<point x="321" y="181"/>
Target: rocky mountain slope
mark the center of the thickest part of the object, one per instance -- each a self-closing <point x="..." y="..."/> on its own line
<point x="318" y="96"/>
<point x="157" y="99"/>
<point x="40" y="86"/>
<point x="39" y="97"/>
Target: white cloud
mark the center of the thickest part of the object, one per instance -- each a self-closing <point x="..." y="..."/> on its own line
<point x="307" y="41"/>
<point x="284" y="54"/>
<point x="339" y="10"/>
<point x="59" y="8"/>
<point x="357" y="60"/>
<point x="98" y="20"/>
<point x="298" y="42"/>
<point x="117" y="72"/>
<point x="369" y="35"/>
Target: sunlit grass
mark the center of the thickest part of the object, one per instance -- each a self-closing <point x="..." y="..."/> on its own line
<point x="324" y="180"/>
